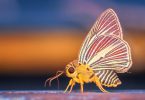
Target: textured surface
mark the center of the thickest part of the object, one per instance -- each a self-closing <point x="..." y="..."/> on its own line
<point x="59" y="95"/>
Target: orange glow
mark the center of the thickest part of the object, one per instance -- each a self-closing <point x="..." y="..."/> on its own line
<point x="33" y="52"/>
<point x="42" y="53"/>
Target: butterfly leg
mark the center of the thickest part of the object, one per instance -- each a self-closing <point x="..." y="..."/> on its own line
<point x="71" y="83"/>
<point x="81" y="84"/>
<point x="97" y="82"/>
<point x="82" y="88"/>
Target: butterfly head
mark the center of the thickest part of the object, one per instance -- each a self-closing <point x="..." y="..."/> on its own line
<point x="70" y="70"/>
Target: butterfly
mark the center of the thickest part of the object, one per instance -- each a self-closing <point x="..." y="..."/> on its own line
<point x="103" y="54"/>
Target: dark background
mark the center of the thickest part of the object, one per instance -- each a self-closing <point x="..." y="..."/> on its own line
<point x="39" y="37"/>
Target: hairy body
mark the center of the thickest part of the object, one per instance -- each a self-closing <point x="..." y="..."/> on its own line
<point x="80" y="73"/>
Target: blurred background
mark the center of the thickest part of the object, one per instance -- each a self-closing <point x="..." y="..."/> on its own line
<point x="39" y="37"/>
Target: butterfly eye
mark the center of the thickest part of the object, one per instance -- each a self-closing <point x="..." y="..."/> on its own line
<point x="79" y="63"/>
<point x="71" y="70"/>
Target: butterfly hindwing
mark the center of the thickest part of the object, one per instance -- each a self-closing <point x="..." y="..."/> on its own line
<point x="108" y="78"/>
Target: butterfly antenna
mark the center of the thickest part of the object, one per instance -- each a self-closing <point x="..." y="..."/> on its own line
<point x="58" y="79"/>
<point x="59" y="73"/>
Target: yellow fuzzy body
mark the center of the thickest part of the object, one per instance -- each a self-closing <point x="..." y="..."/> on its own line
<point x="82" y="74"/>
<point x="85" y="72"/>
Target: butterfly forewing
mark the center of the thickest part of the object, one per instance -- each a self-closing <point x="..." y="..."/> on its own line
<point x="107" y="24"/>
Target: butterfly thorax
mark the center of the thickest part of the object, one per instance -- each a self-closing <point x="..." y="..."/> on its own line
<point x="78" y="71"/>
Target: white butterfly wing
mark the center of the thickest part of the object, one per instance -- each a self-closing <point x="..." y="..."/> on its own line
<point x="107" y="24"/>
<point x="104" y="47"/>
